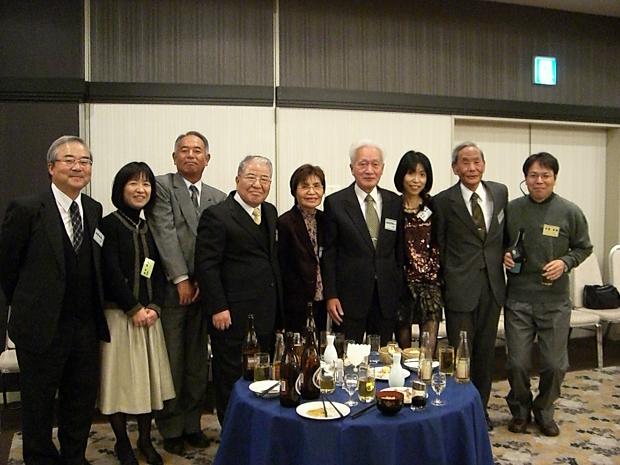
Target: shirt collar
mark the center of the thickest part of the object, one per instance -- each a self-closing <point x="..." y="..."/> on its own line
<point x="361" y="195"/>
<point x="63" y="200"/>
<point x="480" y="190"/>
<point x="197" y="185"/>
<point x="244" y="205"/>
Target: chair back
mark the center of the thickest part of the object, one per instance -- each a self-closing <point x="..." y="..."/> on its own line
<point x="614" y="266"/>
<point x="588" y="272"/>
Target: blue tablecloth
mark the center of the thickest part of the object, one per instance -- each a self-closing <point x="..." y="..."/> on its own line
<point x="259" y="431"/>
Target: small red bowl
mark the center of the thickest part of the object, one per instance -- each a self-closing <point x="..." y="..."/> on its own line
<point x="390" y="402"/>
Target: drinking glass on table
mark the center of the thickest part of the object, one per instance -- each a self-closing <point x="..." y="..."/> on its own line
<point x="262" y="369"/>
<point x="327" y="377"/>
<point x="366" y="383"/>
<point x="438" y="382"/>
<point x="446" y="360"/>
<point x="374" y="341"/>
<point x="350" y="385"/>
<point x="418" y="395"/>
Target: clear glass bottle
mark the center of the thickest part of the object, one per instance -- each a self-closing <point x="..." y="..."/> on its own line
<point x="249" y="349"/>
<point x="462" y="360"/>
<point x="277" y="355"/>
<point x="425" y="368"/>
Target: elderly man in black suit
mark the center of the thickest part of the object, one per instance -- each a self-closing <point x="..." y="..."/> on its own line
<point x="362" y="269"/>
<point x="238" y="273"/>
<point x="469" y="224"/>
<point x="50" y="273"/>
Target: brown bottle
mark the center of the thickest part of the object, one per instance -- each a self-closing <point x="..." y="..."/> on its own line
<point x="249" y="349"/>
<point x="289" y="372"/>
<point x="310" y="363"/>
<point x="310" y="323"/>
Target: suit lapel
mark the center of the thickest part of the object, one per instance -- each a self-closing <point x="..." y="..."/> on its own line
<point x="460" y="209"/>
<point x="181" y="192"/>
<point x="352" y="207"/>
<point x="53" y="224"/>
<point x="494" y="224"/>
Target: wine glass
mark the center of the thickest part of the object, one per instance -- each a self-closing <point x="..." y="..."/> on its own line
<point x="438" y="382"/>
<point x="350" y="385"/>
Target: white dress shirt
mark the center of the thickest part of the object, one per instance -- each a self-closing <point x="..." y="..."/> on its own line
<point x="63" y="202"/>
<point x="486" y="202"/>
<point x="361" y="198"/>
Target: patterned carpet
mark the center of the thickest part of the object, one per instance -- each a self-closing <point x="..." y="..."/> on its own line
<point x="588" y="415"/>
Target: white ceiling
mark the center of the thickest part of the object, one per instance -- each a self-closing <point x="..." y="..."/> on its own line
<point x="593" y="7"/>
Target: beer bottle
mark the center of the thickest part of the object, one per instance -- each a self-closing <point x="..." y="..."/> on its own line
<point x="518" y="253"/>
<point x="310" y="323"/>
<point x="249" y="349"/>
<point x="289" y="372"/>
<point x="277" y="355"/>
<point x="462" y="360"/>
<point x="310" y="363"/>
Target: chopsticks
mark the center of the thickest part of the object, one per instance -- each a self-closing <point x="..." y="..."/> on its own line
<point x="364" y="410"/>
<point x="335" y="408"/>
<point x="324" y="407"/>
<point x="264" y="392"/>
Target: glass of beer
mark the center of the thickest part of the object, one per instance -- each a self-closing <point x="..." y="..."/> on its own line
<point x="446" y="360"/>
<point x="366" y="383"/>
<point x="418" y="395"/>
<point x="262" y="369"/>
<point x="327" y="377"/>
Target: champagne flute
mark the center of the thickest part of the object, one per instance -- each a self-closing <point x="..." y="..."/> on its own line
<point x="350" y="385"/>
<point x="438" y="382"/>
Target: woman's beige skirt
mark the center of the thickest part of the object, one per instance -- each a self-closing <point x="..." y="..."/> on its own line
<point x="135" y="372"/>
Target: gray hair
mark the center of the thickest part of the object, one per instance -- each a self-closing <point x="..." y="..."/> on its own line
<point x="355" y="146"/>
<point x="191" y="133"/>
<point x="254" y="158"/>
<point x="52" y="152"/>
<point x="464" y="145"/>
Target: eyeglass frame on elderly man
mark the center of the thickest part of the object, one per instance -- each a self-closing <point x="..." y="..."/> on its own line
<point x="70" y="162"/>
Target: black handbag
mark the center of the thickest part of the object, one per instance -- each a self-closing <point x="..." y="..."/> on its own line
<point x="600" y="297"/>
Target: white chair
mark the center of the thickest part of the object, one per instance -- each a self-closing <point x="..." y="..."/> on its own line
<point x="9" y="369"/>
<point x="589" y="272"/>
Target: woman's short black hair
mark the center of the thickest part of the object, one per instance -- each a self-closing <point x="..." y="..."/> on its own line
<point x="304" y="172"/>
<point x="544" y="159"/>
<point x="409" y="162"/>
<point x="133" y="170"/>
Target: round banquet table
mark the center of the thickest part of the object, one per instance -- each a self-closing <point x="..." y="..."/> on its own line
<point x="259" y="431"/>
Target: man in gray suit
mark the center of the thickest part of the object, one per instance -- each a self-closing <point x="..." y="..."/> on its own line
<point x="181" y="198"/>
<point x="469" y="225"/>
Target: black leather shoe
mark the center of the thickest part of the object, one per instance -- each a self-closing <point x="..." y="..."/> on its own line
<point x="174" y="445"/>
<point x="489" y="423"/>
<point x="125" y="454"/>
<point x="518" y="425"/>
<point x="149" y="453"/>
<point x="549" y="429"/>
<point x="197" y="440"/>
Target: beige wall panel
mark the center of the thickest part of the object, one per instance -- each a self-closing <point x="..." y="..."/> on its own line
<point x="582" y="156"/>
<point x="123" y="133"/>
<point x="323" y="137"/>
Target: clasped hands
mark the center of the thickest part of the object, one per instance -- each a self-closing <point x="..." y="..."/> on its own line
<point x="145" y="317"/>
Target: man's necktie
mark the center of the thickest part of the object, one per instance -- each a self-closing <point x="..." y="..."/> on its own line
<point x="194" y="195"/>
<point x="478" y="217"/>
<point x="76" y="224"/>
<point x="256" y="215"/>
<point x="372" y="219"/>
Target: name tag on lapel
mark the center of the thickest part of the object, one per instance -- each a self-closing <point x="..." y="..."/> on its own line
<point x="98" y="237"/>
<point x="500" y="216"/>
<point x="147" y="268"/>
<point x="425" y="214"/>
<point x="390" y="224"/>
<point x="550" y="230"/>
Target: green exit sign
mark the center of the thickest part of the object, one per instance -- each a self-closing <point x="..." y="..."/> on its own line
<point x="545" y="71"/>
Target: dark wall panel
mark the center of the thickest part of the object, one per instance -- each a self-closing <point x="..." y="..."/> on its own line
<point x="448" y="48"/>
<point x="182" y="41"/>
<point x="26" y="132"/>
<point x="41" y="38"/>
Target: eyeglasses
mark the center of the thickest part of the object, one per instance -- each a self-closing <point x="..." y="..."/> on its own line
<point x="252" y="178"/>
<point x="308" y="187"/>
<point x="375" y="165"/>
<point x="543" y="176"/>
<point x="71" y="161"/>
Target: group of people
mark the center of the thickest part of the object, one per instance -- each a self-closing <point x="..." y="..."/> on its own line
<point x="116" y="311"/>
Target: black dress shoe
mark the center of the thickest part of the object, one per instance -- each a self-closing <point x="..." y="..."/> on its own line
<point x="549" y="429"/>
<point x="518" y="425"/>
<point x="197" y="440"/>
<point x="174" y="445"/>
<point x="149" y="453"/>
<point x="125" y="455"/>
<point x="489" y="423"/>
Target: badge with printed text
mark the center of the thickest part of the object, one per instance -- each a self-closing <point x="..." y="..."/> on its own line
<point x="425" y="214"/>
<point x="147" y="267"/>
<point x="390" y="224"/>
<point x="98" y="237"/>
<point x="550" y="230"/>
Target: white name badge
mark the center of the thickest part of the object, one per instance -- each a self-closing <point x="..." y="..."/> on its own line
<point x="98" y="237"/>
<point x="424" y="214"/>
<point x="321" y="251"/>
<point x="147" y="268"/>
<point x="500" y="216"/>
<point x="550" y="230"/>
<point x="390" y="224"/>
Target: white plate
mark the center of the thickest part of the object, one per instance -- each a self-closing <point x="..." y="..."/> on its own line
<point x="414" y="364"/>
<point x="257" y="387"/>
<point x="383" y="373"/>
<point x="314" y="410"/>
